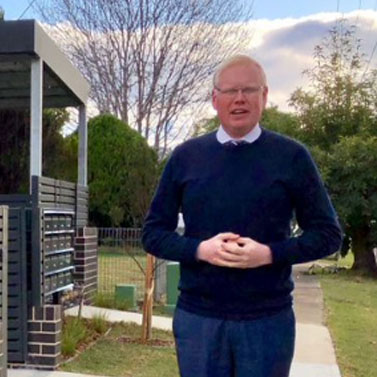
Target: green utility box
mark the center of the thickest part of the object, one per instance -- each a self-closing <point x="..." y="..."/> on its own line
<point x="172" y="280"/>
<point x="126" y="293"/>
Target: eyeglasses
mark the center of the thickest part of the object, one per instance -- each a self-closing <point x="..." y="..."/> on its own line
<point x="248" y="91"/>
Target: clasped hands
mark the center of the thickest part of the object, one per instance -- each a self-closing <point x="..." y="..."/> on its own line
<point x="232" y="250"/>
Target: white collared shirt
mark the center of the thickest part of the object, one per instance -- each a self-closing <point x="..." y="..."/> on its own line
<point x="223" y="137"/>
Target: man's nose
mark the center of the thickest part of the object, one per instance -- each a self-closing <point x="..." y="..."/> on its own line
<point x="240" y="96"/>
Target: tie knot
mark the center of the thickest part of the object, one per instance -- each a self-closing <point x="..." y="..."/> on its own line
<point x="234" y="143"/>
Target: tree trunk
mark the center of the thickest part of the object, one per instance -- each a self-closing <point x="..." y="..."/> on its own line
<point x="363" y="252"/>
<point x="148" y="300"/>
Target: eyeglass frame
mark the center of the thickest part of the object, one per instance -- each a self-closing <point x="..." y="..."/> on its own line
<point x="232" y="92"/>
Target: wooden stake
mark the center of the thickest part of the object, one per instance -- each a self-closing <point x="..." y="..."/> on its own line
<point x="148" y="299"/>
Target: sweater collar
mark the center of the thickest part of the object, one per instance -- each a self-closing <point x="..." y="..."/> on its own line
<point x="223" y="137"/>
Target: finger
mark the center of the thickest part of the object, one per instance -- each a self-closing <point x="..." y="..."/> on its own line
<point x="244" y="240"/>
<point x="230" y="264"/>
<point x="232" y="247"/>
<point x="228" y="236"/>
<point x="229" y="257"/>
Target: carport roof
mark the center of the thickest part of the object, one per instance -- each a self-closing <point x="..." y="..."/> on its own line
<point x="21" y="42"/>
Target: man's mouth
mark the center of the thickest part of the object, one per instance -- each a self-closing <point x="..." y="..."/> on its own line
<point x="239" y="112"/>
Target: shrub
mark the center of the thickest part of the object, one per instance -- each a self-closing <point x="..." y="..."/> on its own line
<point x="98" y="323"/>
<point x="104" y="300"/>
<point x="74" y="331"/>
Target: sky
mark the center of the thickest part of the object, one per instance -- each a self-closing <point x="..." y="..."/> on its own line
<point x="269" y="9"/>
<point x="285" y="33"/>
<point x="272" y="9"/>
<point x="14" y="9"/>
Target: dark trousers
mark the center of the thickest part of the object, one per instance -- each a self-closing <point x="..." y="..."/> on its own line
<point x="211" y="347"/>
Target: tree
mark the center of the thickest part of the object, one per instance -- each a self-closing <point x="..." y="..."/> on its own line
<point x="122" y="173"/>
<point x="14" y="167"/>
<point x="206" y="126"/>
<point x="272" y="118"/>
<point x="59" y="159"/>
<point x="352" y="178"/>
<point x="2" y="14"/>
<point x="59" y="152"/>
<point x="338" y="120"/>
<point x="279" y="121"/>
<point x="148" y="61"/>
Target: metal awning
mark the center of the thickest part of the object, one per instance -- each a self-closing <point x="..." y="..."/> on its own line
<point x="35" y="74"/>
<point x="21" y="43"/>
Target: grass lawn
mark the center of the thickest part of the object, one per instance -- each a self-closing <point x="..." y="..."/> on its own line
<point x="120" y="354"/>
<point x="118" y="265"/>
<point x="351" y="310"/>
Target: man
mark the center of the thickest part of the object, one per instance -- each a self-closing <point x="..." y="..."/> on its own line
<point x="238" y="189"/>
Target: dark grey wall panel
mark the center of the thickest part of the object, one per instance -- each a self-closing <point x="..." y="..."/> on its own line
<point x="17" y="286"/>
<point x="58" y="194"/>
<point x="3" y="290"/>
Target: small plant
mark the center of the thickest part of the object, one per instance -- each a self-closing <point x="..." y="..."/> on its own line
<point x="103" y="300"/>
<point x="74" y="331"/>
<point x="98" y="323"/>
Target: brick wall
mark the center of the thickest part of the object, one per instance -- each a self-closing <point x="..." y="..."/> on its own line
<point x="86" y="261"/>
<point x="44" y="336"/>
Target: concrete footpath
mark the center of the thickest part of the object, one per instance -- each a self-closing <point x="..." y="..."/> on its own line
<point x="314" y="356"/>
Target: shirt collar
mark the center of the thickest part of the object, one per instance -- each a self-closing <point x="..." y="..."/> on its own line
<point x="222" y="136"/>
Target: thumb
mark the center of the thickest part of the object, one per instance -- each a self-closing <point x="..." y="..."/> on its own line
<point x="227" y="236"/>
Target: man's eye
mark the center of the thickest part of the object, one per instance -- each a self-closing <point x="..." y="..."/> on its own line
<point x="249" y="90"/>
<point x="231" y="92"/>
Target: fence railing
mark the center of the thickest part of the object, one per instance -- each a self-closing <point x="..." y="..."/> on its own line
<point x="122" y="260"/>
<point x="119" y="236"/>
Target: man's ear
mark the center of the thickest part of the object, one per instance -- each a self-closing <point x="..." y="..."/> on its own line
<point x="214" y="99"/>
<point x="265" y="96"/>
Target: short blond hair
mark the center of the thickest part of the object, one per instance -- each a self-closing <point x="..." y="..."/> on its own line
<point x="235" y="60"/>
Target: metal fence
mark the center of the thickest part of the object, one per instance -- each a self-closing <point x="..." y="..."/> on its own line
<point x="122" y="260"/>
<point x="119" y="237"/>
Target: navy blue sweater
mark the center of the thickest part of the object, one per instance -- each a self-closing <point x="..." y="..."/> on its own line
<point x="252" y="190"/>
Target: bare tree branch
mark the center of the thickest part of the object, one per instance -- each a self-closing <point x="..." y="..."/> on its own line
<point x="148" y="61"/>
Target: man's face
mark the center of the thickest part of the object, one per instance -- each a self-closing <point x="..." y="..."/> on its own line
<point x="239" y="112"/>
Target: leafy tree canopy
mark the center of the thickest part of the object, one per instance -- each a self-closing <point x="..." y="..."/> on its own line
<point x="59" y="154"/>
<point x="122" y="173"/>
<point x="338" y="120"/>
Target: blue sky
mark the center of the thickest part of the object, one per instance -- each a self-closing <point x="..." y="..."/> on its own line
<point x="283" y="36"/>
<point x="14" y="8"/>
<point x="270" y="9"/>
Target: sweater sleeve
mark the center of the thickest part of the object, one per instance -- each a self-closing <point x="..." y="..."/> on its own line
<point x="159" y="236"/>
<point x="321" y="232"/>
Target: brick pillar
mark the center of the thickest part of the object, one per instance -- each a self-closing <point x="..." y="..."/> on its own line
<point x="86" y="261"/>
<point x="44" y="336"/>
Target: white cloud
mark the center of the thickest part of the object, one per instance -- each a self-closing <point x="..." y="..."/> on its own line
<point x="285" y="47"/>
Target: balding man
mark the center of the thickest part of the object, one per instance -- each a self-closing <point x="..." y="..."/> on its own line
<point x="238" y="189"/>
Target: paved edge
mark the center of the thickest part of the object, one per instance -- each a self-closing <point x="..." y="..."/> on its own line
<point x="314" y="345"/>
<point x="158" y="322"/>
<point x="314" y="370"/>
